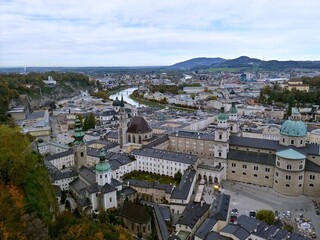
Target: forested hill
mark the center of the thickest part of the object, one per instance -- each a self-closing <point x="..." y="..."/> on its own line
<point x="12" y="85"/>
<point x="201" y="62"/>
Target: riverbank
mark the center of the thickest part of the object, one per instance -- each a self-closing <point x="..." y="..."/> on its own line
<point x="159" y="105"/>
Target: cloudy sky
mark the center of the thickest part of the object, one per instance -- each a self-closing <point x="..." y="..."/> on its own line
<point x="149" y="32"/>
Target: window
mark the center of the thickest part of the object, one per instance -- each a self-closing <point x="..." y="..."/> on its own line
<point x="220" y="136"/>
<point x="283" y="140"/>
<point x="100" y="176"/>
<point x="300" y="185"/>
<point x="301" y="166"/>
<point x="144" y="229"/>
<point x="219" y="154"/>
<point x="267" y="169"/>
<point x="312" y="177"/>
<point x="289" y="167"/>
<point x="278" y="163"/>
<point x="276" y="181"/>
<point x="300" y="177"/>
<point x="311" y="185"/>
<point x="288" y="177"/>
<point x="81" y="154"/>
<point x="255" y="168"/>
<point x="233" y="171"/>
<point x="255" y="175"/>
<point x="244" y="173"/>
<point x="292" y="141"/>
<point x="301" y="142"/>
<point x="110" y="199"/>
<point x="277" y="174"/>
<point x="266" y="177"/>
<point x="287" y="185"/>
<point x="233" y="164"/>
<point x="244" y="166"/>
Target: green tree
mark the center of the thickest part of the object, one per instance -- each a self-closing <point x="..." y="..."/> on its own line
<point x="89" y="122"/>
<point x="266" y="216"/>
<point x="177" y="176"/>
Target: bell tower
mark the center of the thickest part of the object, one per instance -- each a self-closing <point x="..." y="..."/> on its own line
<point x="122" y="130"/>
<point x="79" y="145"/>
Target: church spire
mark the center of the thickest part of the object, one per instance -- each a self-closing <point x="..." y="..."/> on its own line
<point x="78" y="133"/>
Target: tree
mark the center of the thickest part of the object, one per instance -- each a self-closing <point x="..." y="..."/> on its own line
<point x="89" y="122"/>
<point x="266" y="216"/>
<point x="11" y="211"/>
<point x="177" y="176"/>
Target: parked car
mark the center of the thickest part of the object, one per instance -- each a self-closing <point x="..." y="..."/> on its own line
<point x="234" y="212"/>
<point x="252" y="213"/>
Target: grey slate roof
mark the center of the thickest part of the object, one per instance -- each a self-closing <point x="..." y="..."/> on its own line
<point x="87" y="174"/>
<point x="253" y="142"/>
<point x="161" y="221"/>
<point x="58" y="175"/>
<point x="192" y="213"/>
<point x="59" y="155"/>
<point x="144" y="184"/>
<point x="253" y="157"/>
<point x="194" y="134"/>
<point x="216" y="236"/>
<point x="166" y="155"/>
<point x="185" y="185"/>
<point x="83" y="202"/>
<point x="79" y="186"/>
<point x="206" y="227"/>
<point x="220" y="207"/>
<point x="311" y="166"/>
<point x="312" y="149"/>
<point x="112" y="134"/>
<point x="157" y="142"/>
<point x="236" y="230"/>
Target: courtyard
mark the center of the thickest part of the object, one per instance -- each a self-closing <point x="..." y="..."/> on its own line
<point x="150" y="177"/>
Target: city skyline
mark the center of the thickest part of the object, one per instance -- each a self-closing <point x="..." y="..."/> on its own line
<point x="140" y="33"/>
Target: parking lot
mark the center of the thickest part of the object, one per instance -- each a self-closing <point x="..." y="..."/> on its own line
<point x="246" y="197"/>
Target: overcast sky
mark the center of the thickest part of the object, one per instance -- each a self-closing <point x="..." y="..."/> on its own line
<point x="149" y="32"/>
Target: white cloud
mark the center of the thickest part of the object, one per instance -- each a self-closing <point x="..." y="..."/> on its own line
<point x="144" y="32"/>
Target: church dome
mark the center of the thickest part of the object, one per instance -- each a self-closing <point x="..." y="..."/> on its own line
<point x="103" y="165"/>
<point x="222" y="116"/>
<point x="116" y="103"/>
<point x="293" y="128"/>
<point x="138" y="125"/>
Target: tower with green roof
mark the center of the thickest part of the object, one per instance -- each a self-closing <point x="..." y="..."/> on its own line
<point x="79" y="145"/>
<point x="103" y="169"/>
<point x="221" y="134"/>
<point x="233" y="119"/>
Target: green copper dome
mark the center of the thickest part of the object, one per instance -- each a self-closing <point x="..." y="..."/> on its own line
<point x="294" y="128"/>
<point x="233" y="109"/>
<point x="103" y="165"/>
<point x="222" y="116"/>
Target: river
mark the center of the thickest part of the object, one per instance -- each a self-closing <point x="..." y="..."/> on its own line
<point x="126" y="93"/>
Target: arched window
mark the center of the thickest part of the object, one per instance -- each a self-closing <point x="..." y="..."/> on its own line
<point x="255" y="175"/>
<point x="287" y="185"/>
<point x="233" y="171"/>
<point x="244" y="173"/>
<point x="266" y="177"/>
<point x="311" y="185"/>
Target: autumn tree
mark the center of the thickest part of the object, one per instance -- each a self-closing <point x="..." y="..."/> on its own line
<point x="266" y="216"/>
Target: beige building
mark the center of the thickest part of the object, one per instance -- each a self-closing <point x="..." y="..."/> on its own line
<point x="289" y="165"/>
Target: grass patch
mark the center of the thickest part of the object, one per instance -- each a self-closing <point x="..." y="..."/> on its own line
<point x="150" y="177"/>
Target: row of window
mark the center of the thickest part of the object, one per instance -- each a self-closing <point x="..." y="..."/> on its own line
<point x="300" y="185"/>
<point x="255" y="175"/>
<point x="245" y="166"/>
<point x="289" y="166"/>
<point x="292" y="141"/>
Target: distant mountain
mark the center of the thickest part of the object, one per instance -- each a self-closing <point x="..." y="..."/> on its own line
<point x="247" y="62"/>
<point x="201" y="62"/>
